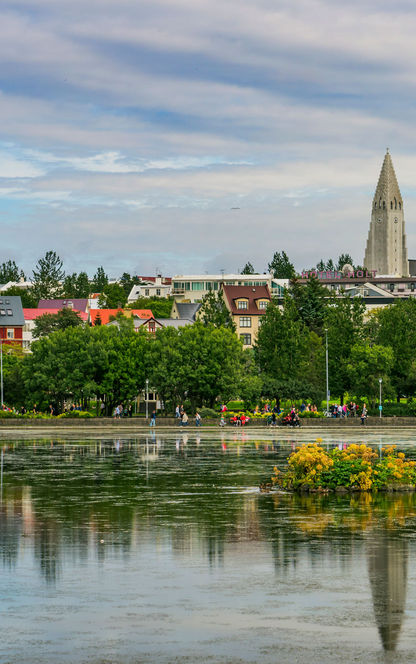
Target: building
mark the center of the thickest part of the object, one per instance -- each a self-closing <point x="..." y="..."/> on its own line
<point x="193" y="288"/>
<point x="24" y="285"/>
<point x="151" y="287"/>
<point x="185" y="310"/>
<point x="30" y="316"/>
<point x="153" y="324"/>
<point x="11" y="320"/>
<point x="247" y="305"/>
<point x="106" y="316"/>
<point x="77" y="304"/>
<point x="386" y="250"/>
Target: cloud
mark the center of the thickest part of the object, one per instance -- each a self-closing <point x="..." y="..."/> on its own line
<point x="155" y="118"/>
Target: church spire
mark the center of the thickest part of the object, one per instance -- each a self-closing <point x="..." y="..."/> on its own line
<point x="387" y="194"/>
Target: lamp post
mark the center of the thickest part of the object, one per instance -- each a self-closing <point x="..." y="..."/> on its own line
<point x="380" y="407"/>
<point x="147" y="398"/>
<point x="327" y="378"/>
<point x="1" y="374"/>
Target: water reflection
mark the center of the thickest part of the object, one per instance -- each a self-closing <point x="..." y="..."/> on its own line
<point x="75" y="506"/>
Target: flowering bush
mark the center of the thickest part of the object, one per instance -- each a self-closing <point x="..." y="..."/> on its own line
<point x="358" y="467"/>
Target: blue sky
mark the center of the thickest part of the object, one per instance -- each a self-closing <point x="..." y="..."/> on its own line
<point x="129" y="130"/>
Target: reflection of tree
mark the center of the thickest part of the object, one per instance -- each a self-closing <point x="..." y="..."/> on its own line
<point x="387" y="568"/>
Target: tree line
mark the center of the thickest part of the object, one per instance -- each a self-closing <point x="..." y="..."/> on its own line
<point x="205" y="362"/>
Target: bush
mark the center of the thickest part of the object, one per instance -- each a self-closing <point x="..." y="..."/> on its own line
<point x="8" y="413"/>
<point x="395" y="410"/>
<point x="309" y="414"/>
<point x="76" y="414"/>
<point x="208" y="412"/>
<point x="358" y="467"/>
<point x="235" y="405"/>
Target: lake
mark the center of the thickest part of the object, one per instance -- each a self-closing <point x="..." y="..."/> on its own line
<point x="160" y="548"/>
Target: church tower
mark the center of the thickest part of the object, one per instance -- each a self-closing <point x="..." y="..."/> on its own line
<point x="386" y="250"/>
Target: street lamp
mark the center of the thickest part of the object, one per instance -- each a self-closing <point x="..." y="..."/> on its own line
<point x="327" y="378"/>
<point x="380" y="407"/>
<point x="147" y="398"/>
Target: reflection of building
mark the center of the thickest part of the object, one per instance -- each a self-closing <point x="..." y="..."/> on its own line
<point x="387" y="570"/>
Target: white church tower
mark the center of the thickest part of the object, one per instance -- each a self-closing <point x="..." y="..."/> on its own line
<point x="386" y="250"/>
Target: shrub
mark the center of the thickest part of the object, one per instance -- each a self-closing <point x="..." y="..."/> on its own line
<point x="235" y="405"/>
<point x="208" y="412"/>
<point x="76" y="414"/>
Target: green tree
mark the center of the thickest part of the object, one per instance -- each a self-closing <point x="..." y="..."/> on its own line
<point x="344" y="259"/>
<point x="47" y="276"/>
<point x="14" y="391"/>
<point x="395" y="326"/>
<point x="48" y="323"/>
<point x="283" y="341"/>
<point x="311" y="301"/>
<point x="10" y="272"/>
<point x="81" y="362"/>
<point x="197" y="362"/>
<point x="248" y="268"/>
<point x="321" y="266"/>
<point x="76" y="285"/>
<point x="344" y="321"/>
<point x="214" y="311"/>
<point x="367" y="365"/>
<point x="161" y="307"/>
<point x="99" y="280"/>
<point x="330" y="267"/>
<point x="29" y="300"/>
<point x="281" y="267"/>
<point x="112" y="297"/>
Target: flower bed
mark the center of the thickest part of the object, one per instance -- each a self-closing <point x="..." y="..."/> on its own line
<point x="356" y="468"/>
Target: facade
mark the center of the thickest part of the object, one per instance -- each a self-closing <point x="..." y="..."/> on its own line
<point x="11" y="320"/>
<point x="151" y="287"/>
<point x="386" y="250"/>
<point x="247" y="305"/>
<point x="193" y="287"/>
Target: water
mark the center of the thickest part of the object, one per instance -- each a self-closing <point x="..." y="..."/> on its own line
<point x="161" y="549"/>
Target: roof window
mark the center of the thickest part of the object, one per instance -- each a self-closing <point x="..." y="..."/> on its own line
<point x="9" y="312"/>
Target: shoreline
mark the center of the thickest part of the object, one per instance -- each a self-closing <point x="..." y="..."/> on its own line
<point x="172" y="423"/>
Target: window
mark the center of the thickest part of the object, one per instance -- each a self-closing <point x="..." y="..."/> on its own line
<point x="197" y="285"/>
<point x="208" y="285"/>
<point x="2" y="312"/>
<point x="157" y="291"/>
<point x="242" y="304"/>
<point x="215" y="285"/>
<point x="152" y="326"/>
<point x="10" y="333"/>
<point x="246" y="339"/>
<point x="147" y="292"/>
<point x="263" y="304"/>
<point x="245" y="321"/>
<point x="9" y="312"/>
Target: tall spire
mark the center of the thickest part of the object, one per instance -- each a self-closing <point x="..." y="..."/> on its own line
<point x="386" y="250"/>
<point x="387" y="187"/>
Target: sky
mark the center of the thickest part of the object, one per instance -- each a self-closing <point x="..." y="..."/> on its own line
<point x="181" y="137"/>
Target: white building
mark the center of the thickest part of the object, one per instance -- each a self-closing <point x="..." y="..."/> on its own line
<point x="151" y="287"/>
<point x="193" y="287"/>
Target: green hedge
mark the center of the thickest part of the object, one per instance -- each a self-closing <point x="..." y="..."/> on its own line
<point x="396" y="410"/>
<point x="76" y="414"/>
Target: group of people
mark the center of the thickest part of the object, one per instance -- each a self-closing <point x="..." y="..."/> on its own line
<point x="121" y="411"/>
<point x="348" y="410"/>
<point x="183" y="417"/>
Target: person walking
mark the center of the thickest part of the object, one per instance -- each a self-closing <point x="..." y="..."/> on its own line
<point x="185" y="419"/>
<point x="364" y="414"/>
<point x="197" y="419"/>
<point x="153" y="419"/>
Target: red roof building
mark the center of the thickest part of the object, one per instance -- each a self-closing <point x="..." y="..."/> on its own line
<point x="247" y="305"/>
<point x="106" y="314"/>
